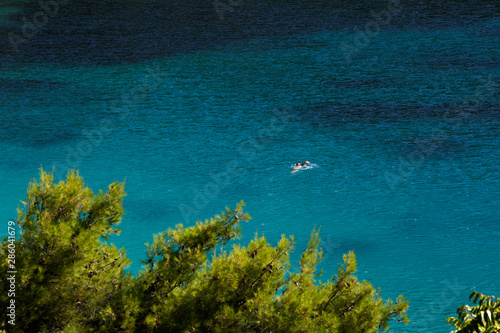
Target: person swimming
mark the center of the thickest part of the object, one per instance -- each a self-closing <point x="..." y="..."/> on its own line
<point x="297" y="166"/>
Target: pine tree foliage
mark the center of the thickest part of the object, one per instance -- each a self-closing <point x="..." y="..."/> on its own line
<point x="67" y="275"/>
<point x="484" y="317"/>
<point x="194" y="279"/>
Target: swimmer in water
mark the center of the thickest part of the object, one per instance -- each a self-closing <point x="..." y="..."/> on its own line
<point x="299" y="165"/>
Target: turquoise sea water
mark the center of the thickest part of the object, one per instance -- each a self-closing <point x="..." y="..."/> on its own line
<point x="405" y="137"/>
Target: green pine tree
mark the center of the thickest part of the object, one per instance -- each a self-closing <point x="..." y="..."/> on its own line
<point x="67" y="273"/>
<point x="71" y="280"/>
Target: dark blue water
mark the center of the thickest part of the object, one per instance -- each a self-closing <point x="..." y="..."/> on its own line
<point x="199" y="109"/>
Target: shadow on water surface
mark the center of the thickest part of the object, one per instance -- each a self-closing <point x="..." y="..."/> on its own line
<point x="32" y="131"/>
<point x="333" y="113"/>
<point x="349" y="121"/>
<point x="43" y="113"/>
<point x="14" y="85"/>
<point x="111" y="32"/>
